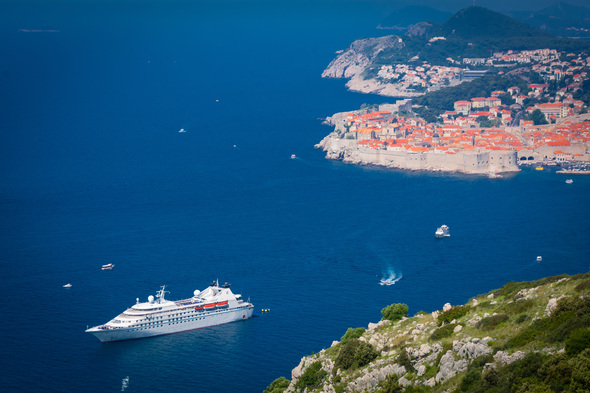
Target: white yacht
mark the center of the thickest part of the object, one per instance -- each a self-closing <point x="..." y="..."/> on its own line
<point x="108" y="266"/>
<point x="569" y="181"/>
<point x="213" y="306"/>
<point x="441" y="232"/>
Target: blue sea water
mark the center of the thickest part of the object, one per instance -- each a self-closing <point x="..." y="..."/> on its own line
<point x="94" y="171"/>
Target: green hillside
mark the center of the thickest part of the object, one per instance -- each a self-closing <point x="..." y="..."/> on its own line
<point x="494" y="31"/>
<point x="524" y="337"/>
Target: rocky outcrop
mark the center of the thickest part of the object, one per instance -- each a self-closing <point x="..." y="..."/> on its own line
<point x="503" y="358"/>
<point x="352" y="62"/>
<point x="373" y="86"/>
<point x="361" y="53"/>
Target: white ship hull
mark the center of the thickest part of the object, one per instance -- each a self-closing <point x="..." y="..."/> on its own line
<point x="207" y="319"/>
<point x="214" y="306"/>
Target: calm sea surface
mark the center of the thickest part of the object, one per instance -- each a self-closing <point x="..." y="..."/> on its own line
<point x="94" y="171"/>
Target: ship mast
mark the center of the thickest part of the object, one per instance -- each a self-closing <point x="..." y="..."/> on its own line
<point x="160" y="294"/>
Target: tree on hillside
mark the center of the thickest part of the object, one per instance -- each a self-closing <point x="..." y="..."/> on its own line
<point x="538" y="117"/>
<point x="395" y="312"/>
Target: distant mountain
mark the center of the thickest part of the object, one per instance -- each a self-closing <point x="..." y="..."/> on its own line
<point x="477" y="31"/>
<point x="403" y="18"/>
<point x="562" y="19"/>
<point x="474" y="23"/>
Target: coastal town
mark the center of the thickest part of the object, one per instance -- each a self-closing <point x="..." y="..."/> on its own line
<point x="540" y="123"/>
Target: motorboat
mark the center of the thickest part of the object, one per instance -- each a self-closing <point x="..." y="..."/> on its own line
<point x="441" y="232"/>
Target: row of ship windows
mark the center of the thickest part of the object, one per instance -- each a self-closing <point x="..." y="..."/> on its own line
<point x="192" y="312"/>
<point x="172" y="321"/>
<point x="177" y="314"/>
<point x="162" y="324"/>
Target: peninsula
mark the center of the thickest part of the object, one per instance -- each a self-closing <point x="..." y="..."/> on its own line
<point x="519" y="104"/>
<point x="384" y="137"/>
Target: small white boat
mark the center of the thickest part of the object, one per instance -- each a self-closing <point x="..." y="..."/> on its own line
<point x="68" y="285"/>
<point x="293" y="156"/>
<point x="182" y="130"/>
<point x="569" y="181"/>
<point x="109" y="266"/>
<point x="441" y="232"/>
<point x="539" y="258"/>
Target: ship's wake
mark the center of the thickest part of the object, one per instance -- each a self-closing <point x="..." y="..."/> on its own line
<point x="390" y="277"/>
<point x="124" y="383"/>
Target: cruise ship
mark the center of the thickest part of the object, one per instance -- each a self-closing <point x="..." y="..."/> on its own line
<point x="215" y="305"/>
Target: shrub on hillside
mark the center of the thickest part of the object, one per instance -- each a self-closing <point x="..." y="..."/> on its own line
<point x="352" y="333"/>
<point x="404" y="360"/>
<point x="454" y="313"/>
<point x="581" y="372"/>
<point x="577" y="342"/>
<point x="355" y="354"/>
<point x="517" y="307"/>
<point x="521" y="318"/>
<point x="279" y="385"/>
<point x="442" y="332"/>
<point x="583" y="286"/>
<point x="490" y="323"/>
<point x="394" y="312"/>
<point x="312" y="377"/>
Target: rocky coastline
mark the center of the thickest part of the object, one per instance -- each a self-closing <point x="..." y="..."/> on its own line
<point x="352" y="62"/>
<point x="434" y="351"/>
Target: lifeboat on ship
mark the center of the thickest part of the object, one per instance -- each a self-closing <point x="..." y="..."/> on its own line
<point x="209" y="306"/>
<point x="222" y="304"/>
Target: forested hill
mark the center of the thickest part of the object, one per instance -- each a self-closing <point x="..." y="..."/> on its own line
<point x="477" y="23"/>
<point x="483" y="26"/>
<point x="405" y="17"/>
<point x="478" y="32"/>
<point x="561" y="18"/>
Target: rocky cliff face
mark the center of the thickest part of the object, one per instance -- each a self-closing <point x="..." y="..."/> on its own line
<point x="433" y="352"/>
<point x="354" y="60"/>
